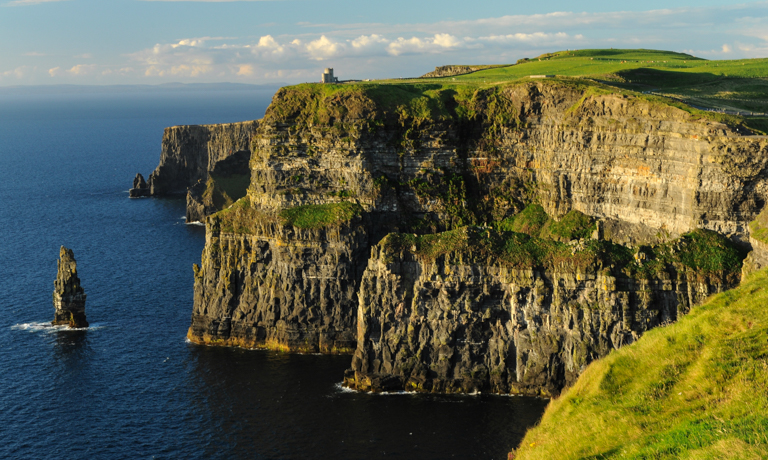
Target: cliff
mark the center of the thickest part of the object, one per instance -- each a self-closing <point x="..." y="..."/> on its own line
<point x="335" y="168"/>
<point x="480" y="309"/>
<point x="208" y="163"/>
<point x="264" y="283"/>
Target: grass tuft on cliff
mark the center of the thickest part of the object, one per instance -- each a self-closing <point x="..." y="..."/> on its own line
<point x="320" y="215"/>
<point x="759" y="227"/>
<point x="694" y="389"/>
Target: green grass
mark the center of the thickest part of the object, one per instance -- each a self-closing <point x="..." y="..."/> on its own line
<point x="529" y="221"/>
<point x="737" y="84"/>
<point x="695" y="389"/>
<point x="313" y="216"/>
<point x="759" y="227"/>
<point x="573" y="226"/>
<point x="242" y="217"/>
<point x="728" y="84"/>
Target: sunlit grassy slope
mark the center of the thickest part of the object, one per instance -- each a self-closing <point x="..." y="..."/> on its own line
<point x="735" y="84"/>
<point x="694" y="389"/>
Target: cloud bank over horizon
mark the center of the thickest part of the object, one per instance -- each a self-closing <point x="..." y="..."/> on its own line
<point x="373" y="50"/>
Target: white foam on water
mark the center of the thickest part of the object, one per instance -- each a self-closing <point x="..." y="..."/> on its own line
<point x="340" y="388"/>
<point x="49" y="328"/>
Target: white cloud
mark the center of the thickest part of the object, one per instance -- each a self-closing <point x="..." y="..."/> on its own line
<point x="18" y="72"/>
<point x="76" y="70"/>
<point x="323" y="48"/>
<point x="389" y="50"/>
<point x="245" y="70"/>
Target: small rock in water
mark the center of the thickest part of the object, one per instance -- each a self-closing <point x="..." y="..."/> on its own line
<point x="68" y="295"/>
<point x="140" y="187"/>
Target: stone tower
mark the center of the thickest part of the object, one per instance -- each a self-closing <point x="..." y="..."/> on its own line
<point x="68" y="295"/>
<point x="328" y="76"/>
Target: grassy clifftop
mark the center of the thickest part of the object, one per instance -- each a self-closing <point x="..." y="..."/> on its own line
<point x="730" y="85"/>
<point x="694" y="389"/>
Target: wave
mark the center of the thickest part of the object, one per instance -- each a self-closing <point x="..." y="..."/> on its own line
<point x="340" y="388"/>
<point x="49" y="328"/>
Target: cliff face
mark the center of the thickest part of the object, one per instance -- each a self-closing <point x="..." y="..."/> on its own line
<point x="277" y="286"/>
<point x="648" y="169"/>
<point x="191" y="153"/>
<point x="427" y="159"/>
<point x="458" y="324"/>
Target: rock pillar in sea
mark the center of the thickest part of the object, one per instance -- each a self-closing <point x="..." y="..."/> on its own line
<point x="68" y="295"/>
<point x="140" y="187"/>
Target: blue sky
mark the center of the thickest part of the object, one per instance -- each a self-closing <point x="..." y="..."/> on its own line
<point x="158" y="41"/>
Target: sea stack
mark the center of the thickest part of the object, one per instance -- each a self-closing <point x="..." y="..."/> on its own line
<point x="140" y="187"/>
<point x="68" y="295"/>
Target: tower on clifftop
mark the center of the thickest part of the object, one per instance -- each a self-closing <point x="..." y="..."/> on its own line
<point x="328" y="76"/>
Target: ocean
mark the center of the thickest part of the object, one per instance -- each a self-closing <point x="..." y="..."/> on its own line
<point x="131" y="386"/>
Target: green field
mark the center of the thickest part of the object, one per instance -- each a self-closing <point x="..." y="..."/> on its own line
<point x="740" y="85"/>
<point x="733" y="85"/>
<point x="695" y="389"/>
<point x="664" y="77"/>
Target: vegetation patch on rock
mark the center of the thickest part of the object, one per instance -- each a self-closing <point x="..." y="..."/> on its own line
<point x="523" y="241"/>
<point x="320" y="215"/>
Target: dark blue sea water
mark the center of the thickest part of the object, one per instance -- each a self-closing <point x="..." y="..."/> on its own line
<point x="131" y="386"/>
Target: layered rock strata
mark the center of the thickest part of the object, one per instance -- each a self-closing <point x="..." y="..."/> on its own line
<point x="451" y="325"/>
<point x="68" y="294"/>
<point x="439" y="161"/>
<point x="281" y="288"/>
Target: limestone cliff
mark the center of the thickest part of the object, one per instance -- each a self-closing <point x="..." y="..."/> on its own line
<point x="190" y="154"/>
<point x="490" y="317"/>
<point x="335" y="168"/>
<point x="68" y="294"/>
<point x="263" y="283"/>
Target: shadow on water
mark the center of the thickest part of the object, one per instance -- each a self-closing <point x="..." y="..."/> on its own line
<point x="70" y="344"/>
<point x="259" y="404"/>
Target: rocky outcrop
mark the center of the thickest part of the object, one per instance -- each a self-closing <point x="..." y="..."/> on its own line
<point x="446" y="160"/>
<point x="140" y="187"/>
<point x="453" y="70"/>
<point x="68" y="294"/>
